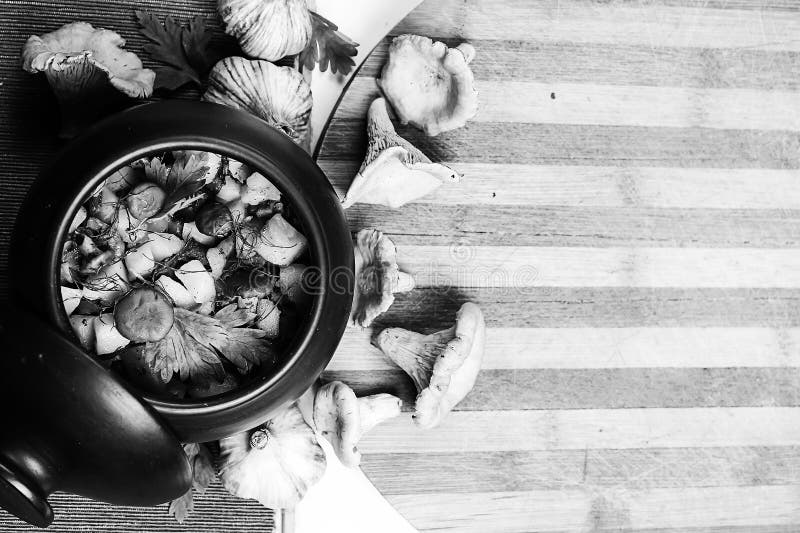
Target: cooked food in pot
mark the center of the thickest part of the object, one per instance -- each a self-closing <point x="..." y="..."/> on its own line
<point x="185" y="273"/>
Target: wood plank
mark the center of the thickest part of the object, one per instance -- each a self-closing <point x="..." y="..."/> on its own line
<point x="433" y="309"/>
<point x="486" y="431"/>
<point x="724" y="529"/>
<point x="565" y="348"/>
<point x="502" y="225"/>
<point x="652" y="25"/>
<point x="540" y="266"/>
<point x="758" y="5"/>
<point x="565" y="469"/>
<point x="593" y="510"/>
<point x="600" y="388"/>
<point x="612" y="105"/>
<point x="599" y="186"/>
<point x="584" y="144"/>
<point x="618" y="64"/>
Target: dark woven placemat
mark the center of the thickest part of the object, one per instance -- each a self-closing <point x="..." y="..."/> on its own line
<point x="216" y="511"/>
<point x="28" y="125"/>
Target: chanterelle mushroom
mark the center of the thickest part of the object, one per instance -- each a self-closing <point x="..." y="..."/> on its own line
<point x="343" y="419"/>
<point x="377" y="277"/>
<point x="394" y="172"/>
<point x="268" y="29"/>
<point x="279" y="95"/>
<point x="274" y="464"/>
<point x="443" y="365"/>
<point x="428" y="84"/>
<point x="86" y="68"/>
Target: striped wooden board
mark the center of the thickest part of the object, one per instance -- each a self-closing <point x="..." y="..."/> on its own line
<point x="629" y="223"/>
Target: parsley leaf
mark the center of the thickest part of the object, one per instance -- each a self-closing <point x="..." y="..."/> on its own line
<point x="196" y="41"/>
<point x="186" y="52"/>
<point x="247" y="347"/>
<point x="328" y="47"/>
<point x="202" y="475"/>
<point x="196" y="344"/>
<point x="181" y="507"/>
<point x="187" y="351"/>
<point x="182" y="182"/>
<point x="155" y="170"/>
<point x="233" y="317"/>
<point x="170" y="78"/>
<point x="185" y="180"/>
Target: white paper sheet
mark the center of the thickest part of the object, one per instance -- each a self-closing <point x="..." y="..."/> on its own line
<point x="364" y="21"/>
<point x="344" y="501"/>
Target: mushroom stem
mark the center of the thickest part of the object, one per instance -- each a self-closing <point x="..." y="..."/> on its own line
<point x="468" y="50"/>
<point x="379" y="125"/>
<point x="376" y="408"/>
<point x="414" y="352"/>
<point x="405" y="282"/>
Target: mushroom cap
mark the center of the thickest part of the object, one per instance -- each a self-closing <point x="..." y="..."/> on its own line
<point x="275" y="464"/>
<point x="268" y="29"/>
<point x="394" y="172"/>
<point x="377" y="276"/>
<point x="443" y="365"/>
<point x="337" y="418"/>
<point x="77" y="56"/>
<point x="428" y="84"/>
<point x="279" y="95"/>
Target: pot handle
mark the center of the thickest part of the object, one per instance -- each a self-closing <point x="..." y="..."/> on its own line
<point x="25" y="480"/>
<point x="67" y="423"/>
<point x="22" y="499"/>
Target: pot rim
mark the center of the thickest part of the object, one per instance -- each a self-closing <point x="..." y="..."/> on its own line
<point x="311" y="200"/>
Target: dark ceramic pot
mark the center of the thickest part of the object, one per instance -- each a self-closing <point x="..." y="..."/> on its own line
<point x="67" y="423"/>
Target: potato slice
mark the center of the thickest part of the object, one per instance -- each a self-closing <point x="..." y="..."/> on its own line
<point x="70" y="298"/>
<point x="83" y="326"/>
<point x="128" y="227"/>
<point x="279" y="242"/>
<point x="107" y="285"/>
<point x="140" y="261"/>
<point x="164" y="245"/>
<point x="104" y="205"/>
<point x="218" y="256"/>
<point x="107" y="338"/>
<point x="190" y="231"/>
<point x="78" y="219"/>
<point x="259" y="189"/>
<point x="230" y="191"/>
<point x="180" y="296"/>
<point x="198" y="281"/>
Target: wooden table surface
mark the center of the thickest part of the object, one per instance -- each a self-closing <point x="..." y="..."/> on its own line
<point x="630" y="224"/>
